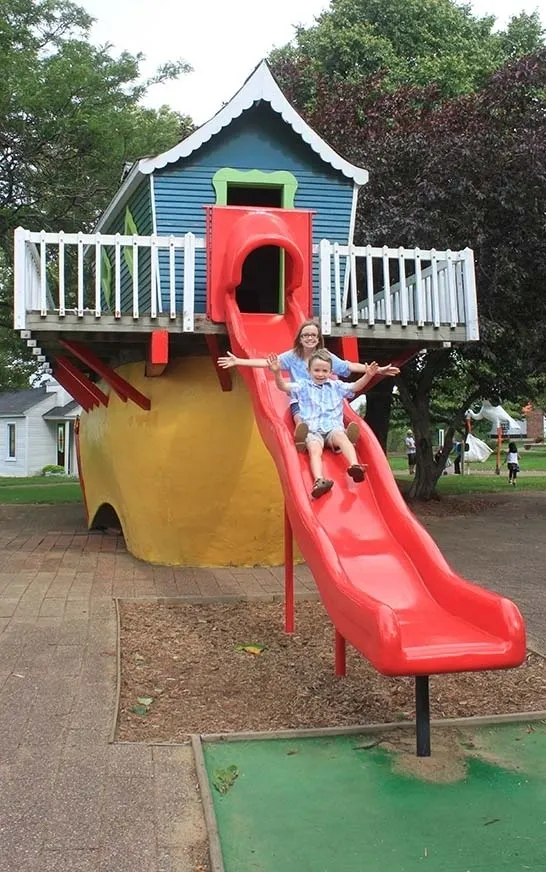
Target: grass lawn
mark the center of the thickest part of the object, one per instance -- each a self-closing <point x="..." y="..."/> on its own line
<point x="39" y="489"/>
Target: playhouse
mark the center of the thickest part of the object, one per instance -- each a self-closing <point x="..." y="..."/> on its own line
<point x="232" y="239"/>
<point x="132" y="320"/>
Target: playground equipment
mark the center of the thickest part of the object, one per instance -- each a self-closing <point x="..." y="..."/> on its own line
<point x="168" y="443"/>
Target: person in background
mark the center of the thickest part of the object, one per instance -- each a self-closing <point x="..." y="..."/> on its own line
<point x="410" y="451"/>
<point x="458" y="453"/>
<point x="512" y="462"/>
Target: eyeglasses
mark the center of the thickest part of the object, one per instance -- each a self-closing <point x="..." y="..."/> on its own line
<point x="309" y="335"/>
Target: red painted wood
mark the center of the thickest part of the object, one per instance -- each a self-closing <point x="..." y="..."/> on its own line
<point x="159" y="347"/>
<point x="90" y="392"/>
<point x="158" y="353"/>
<point x="288" y="575"/>
<point x="224" y="375"/>
<point x="123" y="389"/>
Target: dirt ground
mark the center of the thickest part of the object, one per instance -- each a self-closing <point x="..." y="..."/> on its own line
<point x="184" y="670"/>
<point x="186" y="663"/>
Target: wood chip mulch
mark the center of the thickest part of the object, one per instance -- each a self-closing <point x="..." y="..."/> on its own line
<point x="184" y="662"/>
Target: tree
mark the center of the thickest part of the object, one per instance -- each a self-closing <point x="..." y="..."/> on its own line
<point x="70" y="119"/>
<point x="410" y="42"/>
<point x="470" y="171"/>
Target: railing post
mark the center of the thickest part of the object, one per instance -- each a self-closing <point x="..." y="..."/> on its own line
<point x="19" y="280"/>
<point x="188" y="293"/>
<point x="369" y="283"/>
<point x="325" y="252"/>
<point x="404" y="303"/>
<point x="470" y="296"/>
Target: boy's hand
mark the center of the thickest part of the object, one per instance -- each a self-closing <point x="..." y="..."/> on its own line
<point x="372" y="370"/>
<point x="228" y="361"/>
<point x="273" y="363"/>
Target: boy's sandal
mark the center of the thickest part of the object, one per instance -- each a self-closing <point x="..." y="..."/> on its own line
<point x="352" y="432"/>
<point x="357" y="472"/>
<point x="321" y="487"/>
<point x="300" y="435"/>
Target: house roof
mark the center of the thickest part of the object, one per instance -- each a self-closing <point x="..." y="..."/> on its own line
<point x="60" y="413"/>
<point x="259" y="87"/>
<point x="16" y="403"/>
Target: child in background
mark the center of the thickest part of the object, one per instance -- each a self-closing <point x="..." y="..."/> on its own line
<point x="512" y="461"/>
<point x="321" y="409"/>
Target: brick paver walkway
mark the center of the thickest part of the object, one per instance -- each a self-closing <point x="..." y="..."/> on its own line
<point x="69" y="800"/>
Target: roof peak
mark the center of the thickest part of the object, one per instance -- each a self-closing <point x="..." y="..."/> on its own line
<point x="261" y="85"/>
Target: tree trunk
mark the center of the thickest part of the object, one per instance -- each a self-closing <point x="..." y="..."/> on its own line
<point x="427" y="471"/>
<point x="378" y="410"/>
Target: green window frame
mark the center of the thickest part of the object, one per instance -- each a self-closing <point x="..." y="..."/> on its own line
<point x="282" y="179"/>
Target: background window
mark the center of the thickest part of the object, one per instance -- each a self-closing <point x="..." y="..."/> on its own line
<point x="11" y="441"/>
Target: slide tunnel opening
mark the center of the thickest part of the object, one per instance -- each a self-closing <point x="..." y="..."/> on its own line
<point x="262" y="284"/>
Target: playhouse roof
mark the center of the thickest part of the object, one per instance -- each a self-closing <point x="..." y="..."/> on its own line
<point x="260" y="86"/>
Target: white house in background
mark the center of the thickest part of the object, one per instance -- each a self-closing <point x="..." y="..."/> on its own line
<point x="37" y="430"/>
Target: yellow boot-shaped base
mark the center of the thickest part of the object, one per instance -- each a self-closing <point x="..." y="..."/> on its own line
<point x="190" y="480"/>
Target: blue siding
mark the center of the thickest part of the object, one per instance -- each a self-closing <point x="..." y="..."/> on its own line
<point x="258" y="140"/>
<point x="140" y="207"/>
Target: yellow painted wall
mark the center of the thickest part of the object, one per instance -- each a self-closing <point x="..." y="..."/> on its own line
<point x="190" y="480"/>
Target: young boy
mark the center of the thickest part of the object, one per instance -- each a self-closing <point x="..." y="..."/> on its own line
<point x="321" y="409"/>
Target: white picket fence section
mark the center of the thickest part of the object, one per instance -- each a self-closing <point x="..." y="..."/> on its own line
<point x="397" y="286"/>
<point x="40" y="274"/>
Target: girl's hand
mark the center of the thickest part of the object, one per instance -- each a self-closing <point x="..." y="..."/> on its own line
<point x="389" y="369"/>
<point x="273" y="363"/>
<point x="228" y="361"/>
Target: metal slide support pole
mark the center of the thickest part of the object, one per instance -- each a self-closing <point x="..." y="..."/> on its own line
<point x="422" y="715"/>
<point x="288" y="575"/>
<point x="340" y="655"/>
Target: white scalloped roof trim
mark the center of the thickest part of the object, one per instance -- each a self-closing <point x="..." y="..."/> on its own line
<point x="259" y="86"/>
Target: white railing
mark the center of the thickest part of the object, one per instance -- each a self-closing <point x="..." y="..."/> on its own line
<point x="397" y="286"/>
<point x="104" y="274"/>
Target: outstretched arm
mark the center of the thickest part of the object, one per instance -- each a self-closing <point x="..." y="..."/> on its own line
<point x="230" y="360"/>
<point x="274" y="365"/>
<point x="389" y="369"/>
<point x="361" y="383"/>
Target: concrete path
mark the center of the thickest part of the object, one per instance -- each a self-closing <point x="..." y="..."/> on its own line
<point x="69" y="800"/>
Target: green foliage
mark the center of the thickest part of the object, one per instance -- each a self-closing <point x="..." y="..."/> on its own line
<point x="465" y="172"/>
<point x="71" y="120"/>
<point x="52" y="469"/>
<point x="408" y="42"/>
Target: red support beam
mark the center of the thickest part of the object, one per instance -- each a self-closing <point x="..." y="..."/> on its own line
<point x="288" y="575"/>
<point x="224" y="375"/>
<point x="122" y="388"/>
<point x="78" y="385"/>
<point x="158" y="353"/>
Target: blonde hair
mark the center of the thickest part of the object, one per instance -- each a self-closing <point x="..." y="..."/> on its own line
<point x="298" y="347"/>
<point x="320" y="354"/>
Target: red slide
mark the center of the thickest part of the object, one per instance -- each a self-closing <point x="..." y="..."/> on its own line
<point x="383" y="581"/>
